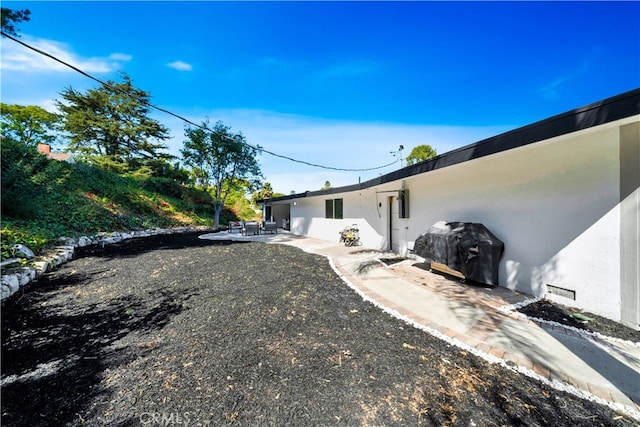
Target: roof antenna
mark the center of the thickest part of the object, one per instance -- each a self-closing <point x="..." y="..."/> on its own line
<point x="400" y="153"/>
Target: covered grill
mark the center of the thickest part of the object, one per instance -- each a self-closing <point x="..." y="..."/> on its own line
<point x="464" y="249"/>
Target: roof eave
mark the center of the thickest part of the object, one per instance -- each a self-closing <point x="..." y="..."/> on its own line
<point x="608" y="110"/>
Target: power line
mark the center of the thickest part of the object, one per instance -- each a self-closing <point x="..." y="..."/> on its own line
<point x="107" y="85"/>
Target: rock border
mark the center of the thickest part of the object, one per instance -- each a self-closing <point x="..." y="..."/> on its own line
<point x="16" y="278"/>
<point x="490" y="358"/>
<point x="513" y="310"/>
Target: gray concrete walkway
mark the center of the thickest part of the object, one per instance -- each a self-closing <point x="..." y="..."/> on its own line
<point x="473" y="317"/>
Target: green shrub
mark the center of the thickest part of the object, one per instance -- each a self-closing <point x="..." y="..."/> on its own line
<point x="164" y="186"/>
<point x="34" y="235"/>
<point x="20" y="193"/>
<point x="44" y="199"/>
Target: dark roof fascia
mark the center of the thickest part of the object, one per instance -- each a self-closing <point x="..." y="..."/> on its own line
<point x="598" y="113"/>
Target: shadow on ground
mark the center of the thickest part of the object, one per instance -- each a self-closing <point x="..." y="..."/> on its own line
<point x="253" y="334"/>
<point x="62" y="352"/>
<point x="140" y="245"/>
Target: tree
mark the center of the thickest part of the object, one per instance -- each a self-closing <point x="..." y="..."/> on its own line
<point x="326" y="186"/>
<point x="29" y="124"/>
<point x="222" y="162"/>
<point x="421" y="153"/>
<point x="11" y="17"/>
<point x="265" y="192"/>
<point x="110" y="126"/>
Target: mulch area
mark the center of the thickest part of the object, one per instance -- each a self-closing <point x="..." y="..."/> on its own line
<point x="547" y="310"/>
<point x="173" y="330"/>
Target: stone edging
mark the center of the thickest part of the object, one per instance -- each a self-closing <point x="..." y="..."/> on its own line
<point x="18" y="277"/>
<point x="490" y="358"/>
<point x="513" y="310"/>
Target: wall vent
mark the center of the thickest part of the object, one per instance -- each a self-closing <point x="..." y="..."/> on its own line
<point x="561" y="292"/>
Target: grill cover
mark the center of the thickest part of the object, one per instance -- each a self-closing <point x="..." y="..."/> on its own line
<point x="467" y="247"/>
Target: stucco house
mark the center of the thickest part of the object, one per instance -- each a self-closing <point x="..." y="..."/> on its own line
<point x="561" y="193"/>
<point x="62" y="157"/>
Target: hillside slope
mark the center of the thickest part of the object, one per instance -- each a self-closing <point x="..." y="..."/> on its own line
<point x="44" y="199"/>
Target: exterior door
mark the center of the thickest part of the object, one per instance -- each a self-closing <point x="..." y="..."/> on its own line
<point x="394" y="228"/>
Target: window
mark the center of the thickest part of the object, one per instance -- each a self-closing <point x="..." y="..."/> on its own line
<point x="337" y="208"/>
<point x="333" y="208"/>
<point x="328" y="208"/>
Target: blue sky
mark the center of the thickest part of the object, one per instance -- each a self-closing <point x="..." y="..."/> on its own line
<point x="340" y="84"/>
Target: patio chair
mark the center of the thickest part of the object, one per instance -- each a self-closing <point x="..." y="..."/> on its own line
<point x="250" y="228"/>
<point x="272" y="227"/>
<point x="235" y="225"/>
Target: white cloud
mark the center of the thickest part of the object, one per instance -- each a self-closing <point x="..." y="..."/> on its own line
<point x="16" y="57"/>
<point x="180" y="66"/>
<point x="47" y="104"/>
<point x="331" y="143"/>
<point x="120" y="57"/>
<point x="553" y="89"/>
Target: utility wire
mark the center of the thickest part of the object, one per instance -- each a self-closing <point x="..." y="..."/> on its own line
<point x="107" y="85"/>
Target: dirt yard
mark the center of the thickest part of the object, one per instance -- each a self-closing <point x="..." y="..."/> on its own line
<point x="173" y="330"/>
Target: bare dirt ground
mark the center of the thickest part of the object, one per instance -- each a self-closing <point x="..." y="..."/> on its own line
<point x="173" y="330"/>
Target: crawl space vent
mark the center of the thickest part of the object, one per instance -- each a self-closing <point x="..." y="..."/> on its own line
<point x="561" y="292"/>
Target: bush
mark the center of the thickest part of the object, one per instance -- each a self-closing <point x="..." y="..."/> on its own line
<point x="20" y="190"/>
<point x="32" y="234"/>
<point x="98" y="181"/>
<point x="226" y="216"/>
<point x="165" y="186"/>
<point x="44" y="199"/>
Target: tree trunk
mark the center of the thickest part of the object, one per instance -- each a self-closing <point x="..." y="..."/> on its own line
<point x="216" y="215"/>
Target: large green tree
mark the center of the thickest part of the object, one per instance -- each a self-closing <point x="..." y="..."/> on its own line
<point x="29" y="124"/>
<point x="421" y="153"/>
<point x="10" y="18"/>
<point x="222" y="162"/>
<point x="110" y="126"/>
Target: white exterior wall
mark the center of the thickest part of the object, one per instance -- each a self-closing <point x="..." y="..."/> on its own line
<point x="555" y="204"/>
<point x="308" y="217"/>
